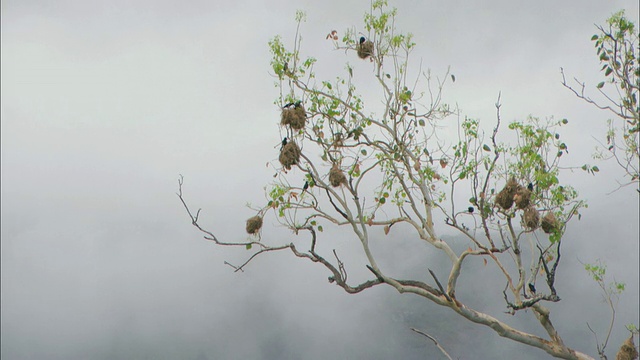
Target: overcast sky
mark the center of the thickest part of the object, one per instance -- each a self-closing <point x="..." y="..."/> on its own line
<point x="104" y="104"/>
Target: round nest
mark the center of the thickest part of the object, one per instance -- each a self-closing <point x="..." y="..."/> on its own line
<point x="531" y="217"/>
<point x="295" y="117"/>
<point x="365" y="49"/>
<point x="522" y="198"/>
<point x="549" y="223"/>
<point x="289" y="155"/>
<point x="627" y="350"/>
<point x="504" y="199"/>
<point x="254" y="224"/>
<point x="336" y="177"/>
<point x="506" y="195"/>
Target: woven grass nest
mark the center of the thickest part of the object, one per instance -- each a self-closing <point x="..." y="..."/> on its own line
<point x="364" y="48"/>
<point x="627" y="350"/>
<point x="522" y="197"/>
<point x="549" y="223"/>
<point x="531" y="218"/>
<point x="294" y="116"/>
<point x="289" y="155"/>
<point x="254" y="224"/>
<point x="506" y="195"/>
<point x="337" y="177"/>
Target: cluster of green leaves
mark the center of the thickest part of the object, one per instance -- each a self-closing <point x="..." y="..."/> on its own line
<point x="617" y="50"/>
<point x="598" y="272"/>
<point x="537" y="157"/>
<point x="279" y="199"/>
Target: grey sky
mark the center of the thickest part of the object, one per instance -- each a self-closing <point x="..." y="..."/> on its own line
<point x="105" y="103"/>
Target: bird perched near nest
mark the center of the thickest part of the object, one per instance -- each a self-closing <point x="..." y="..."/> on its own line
<point x="294" y="104"/>
<point x="364" y="48"/>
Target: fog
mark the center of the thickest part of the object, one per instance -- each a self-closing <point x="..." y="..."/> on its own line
<point x="105" y="104"/>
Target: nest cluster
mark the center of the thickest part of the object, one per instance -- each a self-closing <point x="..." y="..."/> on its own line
<point x="290" y="155"/>
<point x="514" y="193"/>
<point x="337" y="177"/>
<point x="364" y="48"/>
<point x="295" y="117"/>
<point x="254" y="224"/>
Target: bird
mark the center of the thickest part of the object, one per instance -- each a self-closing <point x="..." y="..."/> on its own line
<point x="471" y="209"/>
<point x="530" y="186"/>
<point x="532" y="288"/>
<point x="362" y="40"/>
<point x="294" y="104"/>
<point x="306" y="186"/>
<point x="284" y="142"/>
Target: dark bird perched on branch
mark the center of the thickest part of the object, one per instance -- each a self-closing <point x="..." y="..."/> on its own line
<point x="306" y="186"/>
<point x="294" y="104"/>
<point x="284" y="142"/>
<point x="471" y="209"/>
<point x="532" y="288"/>
<point x="530" y="186"/>
<point x="362" y="40"/>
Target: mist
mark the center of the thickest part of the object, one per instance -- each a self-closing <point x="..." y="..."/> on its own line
<point x="105" y="105"/>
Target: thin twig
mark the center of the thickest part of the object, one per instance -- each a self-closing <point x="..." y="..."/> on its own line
<point x="442" y="350"/>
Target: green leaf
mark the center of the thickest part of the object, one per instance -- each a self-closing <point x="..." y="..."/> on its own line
<point x="486" y="147"/>
<point x="320" y="228"/>
<point x="248" y="246"/>
<point x="595" y="169"/>
<point x="599" y="86"/>
<point x="421" y="122"/>
<point x="594" y="37"/>
<point x="363" y="152"/>
<point x="609" y="71"/>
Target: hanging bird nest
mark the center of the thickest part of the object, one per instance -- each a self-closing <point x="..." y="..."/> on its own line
<point x="549" y="223"/>
<point x="295" y="117"/>
<point x="365" y="49"/>
<point x="254" y="224"/>
<point x="505" y="196"/>
<point x="289" y="155"/>
<point x="627" y="350"/>
<point x="336" y="176"/>
<point x="522" y="198"/>
<point x="504" y="199"/>
<point x="531" y="218"/>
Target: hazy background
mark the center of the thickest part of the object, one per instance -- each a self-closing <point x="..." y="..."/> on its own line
<point x="105" y="103"/>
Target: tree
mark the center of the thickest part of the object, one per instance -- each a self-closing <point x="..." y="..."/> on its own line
<point x="371" y="170"/>
<point x="616" y="47"/>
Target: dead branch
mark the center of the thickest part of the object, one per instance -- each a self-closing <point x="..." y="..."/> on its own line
<point x="442" y="350"/>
